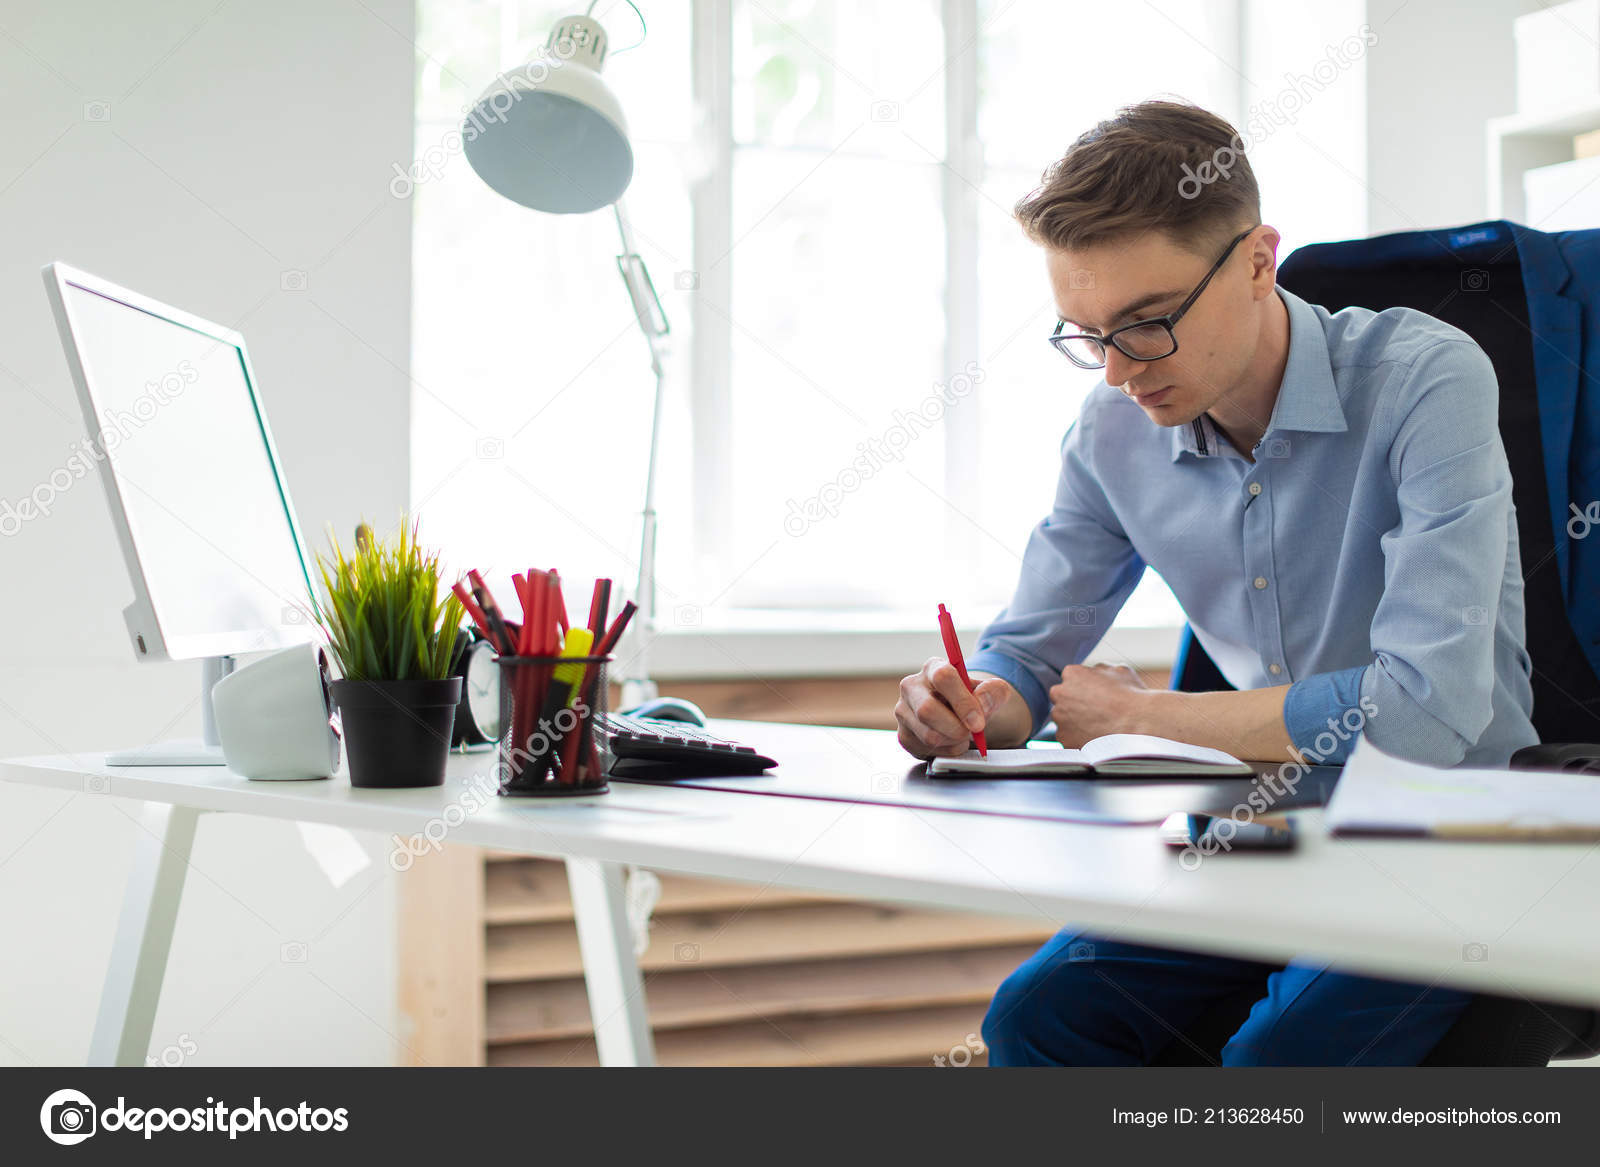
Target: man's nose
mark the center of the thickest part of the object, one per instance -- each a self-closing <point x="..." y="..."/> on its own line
<point x="1120" y="368"/>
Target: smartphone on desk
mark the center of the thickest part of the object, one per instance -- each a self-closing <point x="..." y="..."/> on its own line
<point x="1210" y="834"/>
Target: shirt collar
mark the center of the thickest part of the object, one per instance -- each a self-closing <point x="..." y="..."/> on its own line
<point x="1308" y="398"/>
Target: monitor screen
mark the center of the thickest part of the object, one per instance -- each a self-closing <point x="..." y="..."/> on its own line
<point x="204" y="506"/>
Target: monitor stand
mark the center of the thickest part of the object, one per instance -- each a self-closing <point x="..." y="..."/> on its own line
<point x="201" y="751"/>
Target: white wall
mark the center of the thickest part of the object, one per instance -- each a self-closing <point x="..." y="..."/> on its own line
<point x="1437" y="74"/>
<point x="241" y="141"/>
<point x="1304" y="96"/>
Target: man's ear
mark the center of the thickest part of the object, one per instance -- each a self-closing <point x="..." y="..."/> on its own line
<point x="1264" y="262"/>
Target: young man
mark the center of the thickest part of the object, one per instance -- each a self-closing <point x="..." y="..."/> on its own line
<point x="1328" y="498"/>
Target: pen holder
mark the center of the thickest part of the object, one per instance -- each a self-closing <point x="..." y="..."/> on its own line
<point x="550" y="746"/>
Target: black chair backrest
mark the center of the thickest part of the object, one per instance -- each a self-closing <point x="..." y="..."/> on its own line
<point x="1472" y="278"/>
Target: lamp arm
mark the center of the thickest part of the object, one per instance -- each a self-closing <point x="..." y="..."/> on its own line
<point x="637" y="686"/>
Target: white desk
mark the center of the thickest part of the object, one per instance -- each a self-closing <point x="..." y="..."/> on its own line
<point x="1412" y="909"/>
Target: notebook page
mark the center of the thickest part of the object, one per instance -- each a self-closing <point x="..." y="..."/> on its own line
<point x="1008" y="760"/>
<point x="1115" y="746"/>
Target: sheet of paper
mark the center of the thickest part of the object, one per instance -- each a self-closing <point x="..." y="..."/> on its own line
<point x="1383" y="794"/>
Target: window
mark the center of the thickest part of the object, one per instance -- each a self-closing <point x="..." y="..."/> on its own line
<point x="862" y="410"/>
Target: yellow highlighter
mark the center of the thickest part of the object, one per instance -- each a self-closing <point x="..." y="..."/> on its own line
<point x="566" y="676"/>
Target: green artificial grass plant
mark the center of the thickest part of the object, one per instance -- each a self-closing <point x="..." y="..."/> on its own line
<point x="383" y="615"/>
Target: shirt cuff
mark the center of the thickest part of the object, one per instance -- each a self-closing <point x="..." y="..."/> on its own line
<point x="1314" y="711"/>
<point x="987" y="660"/>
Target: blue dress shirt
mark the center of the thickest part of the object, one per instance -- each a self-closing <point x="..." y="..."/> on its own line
<point x="1367" y="557"/>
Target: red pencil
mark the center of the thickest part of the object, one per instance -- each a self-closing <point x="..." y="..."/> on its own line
<point x="503" y="639"/>
<point x="952" y="649"/>
<point x="598" y="603"/>
<point x="473" y="610"/>
<point x="560" y="603"/>
<point x="614" y="633"/>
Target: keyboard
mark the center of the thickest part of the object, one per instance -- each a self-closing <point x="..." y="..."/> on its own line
<point x="651" y="747"/>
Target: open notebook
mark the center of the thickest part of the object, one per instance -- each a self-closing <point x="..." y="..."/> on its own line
<point x="1115" y="755"/>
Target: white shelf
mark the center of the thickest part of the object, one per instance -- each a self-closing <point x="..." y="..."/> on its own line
<point x="1520" y="142"/>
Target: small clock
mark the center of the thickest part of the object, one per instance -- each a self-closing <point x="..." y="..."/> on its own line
<point x="478" y="715"/>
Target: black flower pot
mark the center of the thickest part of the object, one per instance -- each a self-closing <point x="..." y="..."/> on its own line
<point x="397" y="733"/>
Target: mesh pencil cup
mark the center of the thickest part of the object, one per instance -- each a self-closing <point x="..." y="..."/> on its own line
<point x="550" y="745"/>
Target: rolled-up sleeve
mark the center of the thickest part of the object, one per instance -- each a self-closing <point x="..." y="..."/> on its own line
<point x="1428" y="694"/>
<point x="1077" y="571"/>
<point x="1314" y="710"/>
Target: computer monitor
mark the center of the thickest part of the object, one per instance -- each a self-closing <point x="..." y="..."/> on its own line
<point x="200" y="505"/>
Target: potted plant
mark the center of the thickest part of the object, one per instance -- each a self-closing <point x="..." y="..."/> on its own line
<point x="395" y="643"/>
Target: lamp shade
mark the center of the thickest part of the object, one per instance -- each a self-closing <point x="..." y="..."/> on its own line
<point x="550" y="134"/>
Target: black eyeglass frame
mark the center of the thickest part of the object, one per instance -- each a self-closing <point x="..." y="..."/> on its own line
<point x="1058" y="339"/>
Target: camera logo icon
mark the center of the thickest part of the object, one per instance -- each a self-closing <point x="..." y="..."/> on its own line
<point x="686" y="953"/>
<point x="1476" y="614"/>
<point x="1080" y="952"/>
<point x="1079" y="278"/>
<point x="1278" y="448"/>
<point x="686" y="281"/>
<point x="1081" y="616"/>
<point x="1475" y="953"/>
<point x="1474" y="279"/>
<point x="490" y="449"/>
<point x="293" y="280"/>
<point x="292" y="952"/>
<point x="67" y="1117"/>
<point x="886" y="111"/>
<point x="97" y="111"/>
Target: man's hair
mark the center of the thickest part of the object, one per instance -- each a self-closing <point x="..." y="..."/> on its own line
<point x="1160" y="165"/>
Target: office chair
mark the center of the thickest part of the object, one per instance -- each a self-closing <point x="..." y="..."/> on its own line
<point x="1532" y="301"/>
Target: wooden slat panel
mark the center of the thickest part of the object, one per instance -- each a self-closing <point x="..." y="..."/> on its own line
<point x="904" y="1037"/>
<point x="440" y="942"/>
<point x="534" y="891"/>
<point x="541" y="1011"/>
<point x="715" y="939"/>
<point x="861" y="702"/>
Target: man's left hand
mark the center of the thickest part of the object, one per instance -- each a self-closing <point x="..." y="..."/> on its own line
<point x="1094" y="700"/>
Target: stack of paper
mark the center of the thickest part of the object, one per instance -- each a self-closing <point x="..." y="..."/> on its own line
<point x="1383" y="795"/>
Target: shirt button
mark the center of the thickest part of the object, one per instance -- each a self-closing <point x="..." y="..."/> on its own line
<point x="1261" y="582"/>
<point x="1275" y="669"/>
<point x="1255" y="488"/>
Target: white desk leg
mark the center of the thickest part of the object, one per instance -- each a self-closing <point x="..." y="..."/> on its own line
<point x="144" y="936"/>
<point x="610" y="969"/>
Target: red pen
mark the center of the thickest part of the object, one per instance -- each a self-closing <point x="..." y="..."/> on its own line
<point x="952" y="649"/>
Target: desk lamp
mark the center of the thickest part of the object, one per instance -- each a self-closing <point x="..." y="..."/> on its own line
<point x="550" y="135"/>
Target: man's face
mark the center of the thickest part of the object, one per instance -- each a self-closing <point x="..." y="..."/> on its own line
<point x="1115" y="283"/>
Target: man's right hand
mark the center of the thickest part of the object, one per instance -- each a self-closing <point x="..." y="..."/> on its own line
<point x="937" y="716"/>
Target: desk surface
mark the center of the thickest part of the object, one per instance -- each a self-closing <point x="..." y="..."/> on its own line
<point x="857" y="765"/>
<point x="1408" y="908"/>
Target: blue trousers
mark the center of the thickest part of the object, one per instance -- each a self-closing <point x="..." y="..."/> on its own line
<point x="1086" y="1001"/>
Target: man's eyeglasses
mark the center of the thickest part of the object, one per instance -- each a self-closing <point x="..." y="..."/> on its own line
<point x="1142" y="340"/>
